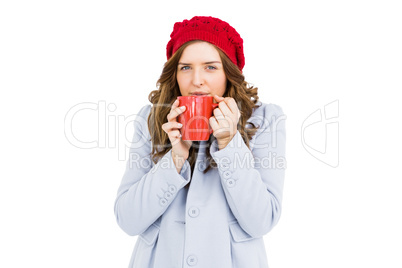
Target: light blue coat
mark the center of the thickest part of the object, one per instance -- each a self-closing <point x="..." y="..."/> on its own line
<point x="217" y="222"/>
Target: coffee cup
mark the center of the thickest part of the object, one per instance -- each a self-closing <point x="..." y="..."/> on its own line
<point x="195" y="119"/>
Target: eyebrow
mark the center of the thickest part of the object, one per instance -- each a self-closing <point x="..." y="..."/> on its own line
<point x="208" y="62"/>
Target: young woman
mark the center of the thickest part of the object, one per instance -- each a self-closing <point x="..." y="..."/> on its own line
<point x="209" y="203"/>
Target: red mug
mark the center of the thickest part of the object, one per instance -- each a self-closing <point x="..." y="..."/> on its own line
<point x="195" y="119"/>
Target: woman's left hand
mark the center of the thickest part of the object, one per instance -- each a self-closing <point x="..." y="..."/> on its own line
<point x="225" y="119"/>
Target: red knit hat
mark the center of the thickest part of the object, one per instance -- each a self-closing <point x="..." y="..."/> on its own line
<point x="212" y="30"/>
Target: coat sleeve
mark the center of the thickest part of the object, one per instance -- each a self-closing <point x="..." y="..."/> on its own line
<point x="146" y="190"/>
<point x="253" y="179"/>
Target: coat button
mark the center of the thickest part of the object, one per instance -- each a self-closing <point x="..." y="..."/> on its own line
<point x="201" y="165"/>
<point x="193" y="212"/>
<point x="230" y="183"/>
<point x="172" y="189"/>
<point x="227" y="174"/>
<point x="163" y="202"/>
<point x="224" y="166"/>
<point x="167" y="195"/>
<point x="192" y="260"/>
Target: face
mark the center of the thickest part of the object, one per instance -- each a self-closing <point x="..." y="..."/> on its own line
<point x="200" y="71"/>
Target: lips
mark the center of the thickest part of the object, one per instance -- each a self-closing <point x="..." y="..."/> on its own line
<point x="199" y="93"/>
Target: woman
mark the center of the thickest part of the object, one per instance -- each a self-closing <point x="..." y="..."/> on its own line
<point x="209" y="203"/>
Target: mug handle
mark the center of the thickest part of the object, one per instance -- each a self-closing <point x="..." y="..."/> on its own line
<point x="214" y="105"/>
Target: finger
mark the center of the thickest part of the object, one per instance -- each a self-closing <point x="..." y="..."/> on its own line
<point x="175" y="104"/>
<point x="171" y="125"/>
<point x="231" y="103"/>
<point x="175" y="112"/>
<point x="224" y="121"/>
<point x="224" y="108"/>
<point x="218" y="98"/>
<point x="219" y="117"/>
<point x="232" y="106"/>
<point x="213" y="123"/>
<point x="174" y="136"/>
<point x="188" y="143"/>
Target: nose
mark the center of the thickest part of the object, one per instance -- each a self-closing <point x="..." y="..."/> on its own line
<point x="198" y="79"/>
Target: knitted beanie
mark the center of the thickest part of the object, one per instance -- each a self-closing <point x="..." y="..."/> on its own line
<point x="212" y="30"/>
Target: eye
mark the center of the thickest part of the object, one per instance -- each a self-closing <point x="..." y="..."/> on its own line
<point x="184" y="67"/>
<point x="210" y="67"/>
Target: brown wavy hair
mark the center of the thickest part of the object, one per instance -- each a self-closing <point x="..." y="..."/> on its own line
<point x="246" y="97"/>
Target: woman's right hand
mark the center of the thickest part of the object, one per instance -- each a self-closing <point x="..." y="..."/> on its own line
<point x="180" y="148"/>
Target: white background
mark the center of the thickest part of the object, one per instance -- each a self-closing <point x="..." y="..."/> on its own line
<point x="56" y="200"/>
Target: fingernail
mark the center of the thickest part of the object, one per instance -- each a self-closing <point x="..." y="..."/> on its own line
<point x="180" y="125"/>
<point x="183" y="107"/>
